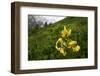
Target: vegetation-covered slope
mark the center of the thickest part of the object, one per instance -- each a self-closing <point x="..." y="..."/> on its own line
<point x="41" y="41"/>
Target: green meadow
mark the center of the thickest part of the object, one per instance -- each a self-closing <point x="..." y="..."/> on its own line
<point x="42" y="40"/>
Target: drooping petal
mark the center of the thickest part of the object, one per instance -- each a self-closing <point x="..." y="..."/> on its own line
<point x="72" y="43"/>
<point x="65" y="28"/>
<point x="59" y="41"/>
<point x="76" y="49"/>
<point x="62" y="51"/>
<point x="69" y="32"/>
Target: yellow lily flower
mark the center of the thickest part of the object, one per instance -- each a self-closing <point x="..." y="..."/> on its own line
<point x="59" y="41"/>
<point x="76" y="48"/>
<point x="65" y="32"/>
<point x="64" y="42"/>
<point x="72" y="43"/>
<point x="61" y="48"/>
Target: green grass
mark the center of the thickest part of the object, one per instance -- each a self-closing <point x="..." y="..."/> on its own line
<point x="41" y="41"/>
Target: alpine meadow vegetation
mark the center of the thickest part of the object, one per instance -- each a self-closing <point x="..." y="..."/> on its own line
<point x="64" y="39"/>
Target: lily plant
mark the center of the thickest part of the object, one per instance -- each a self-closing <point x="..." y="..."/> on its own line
<point x="65" y="42"/>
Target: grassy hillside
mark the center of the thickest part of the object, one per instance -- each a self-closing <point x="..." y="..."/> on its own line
<point x="41" y="41"/>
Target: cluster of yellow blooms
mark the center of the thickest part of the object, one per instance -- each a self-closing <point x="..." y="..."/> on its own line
<point x="64" y="42"/>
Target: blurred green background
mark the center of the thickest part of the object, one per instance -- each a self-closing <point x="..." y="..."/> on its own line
<point x="42" y="40"/>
